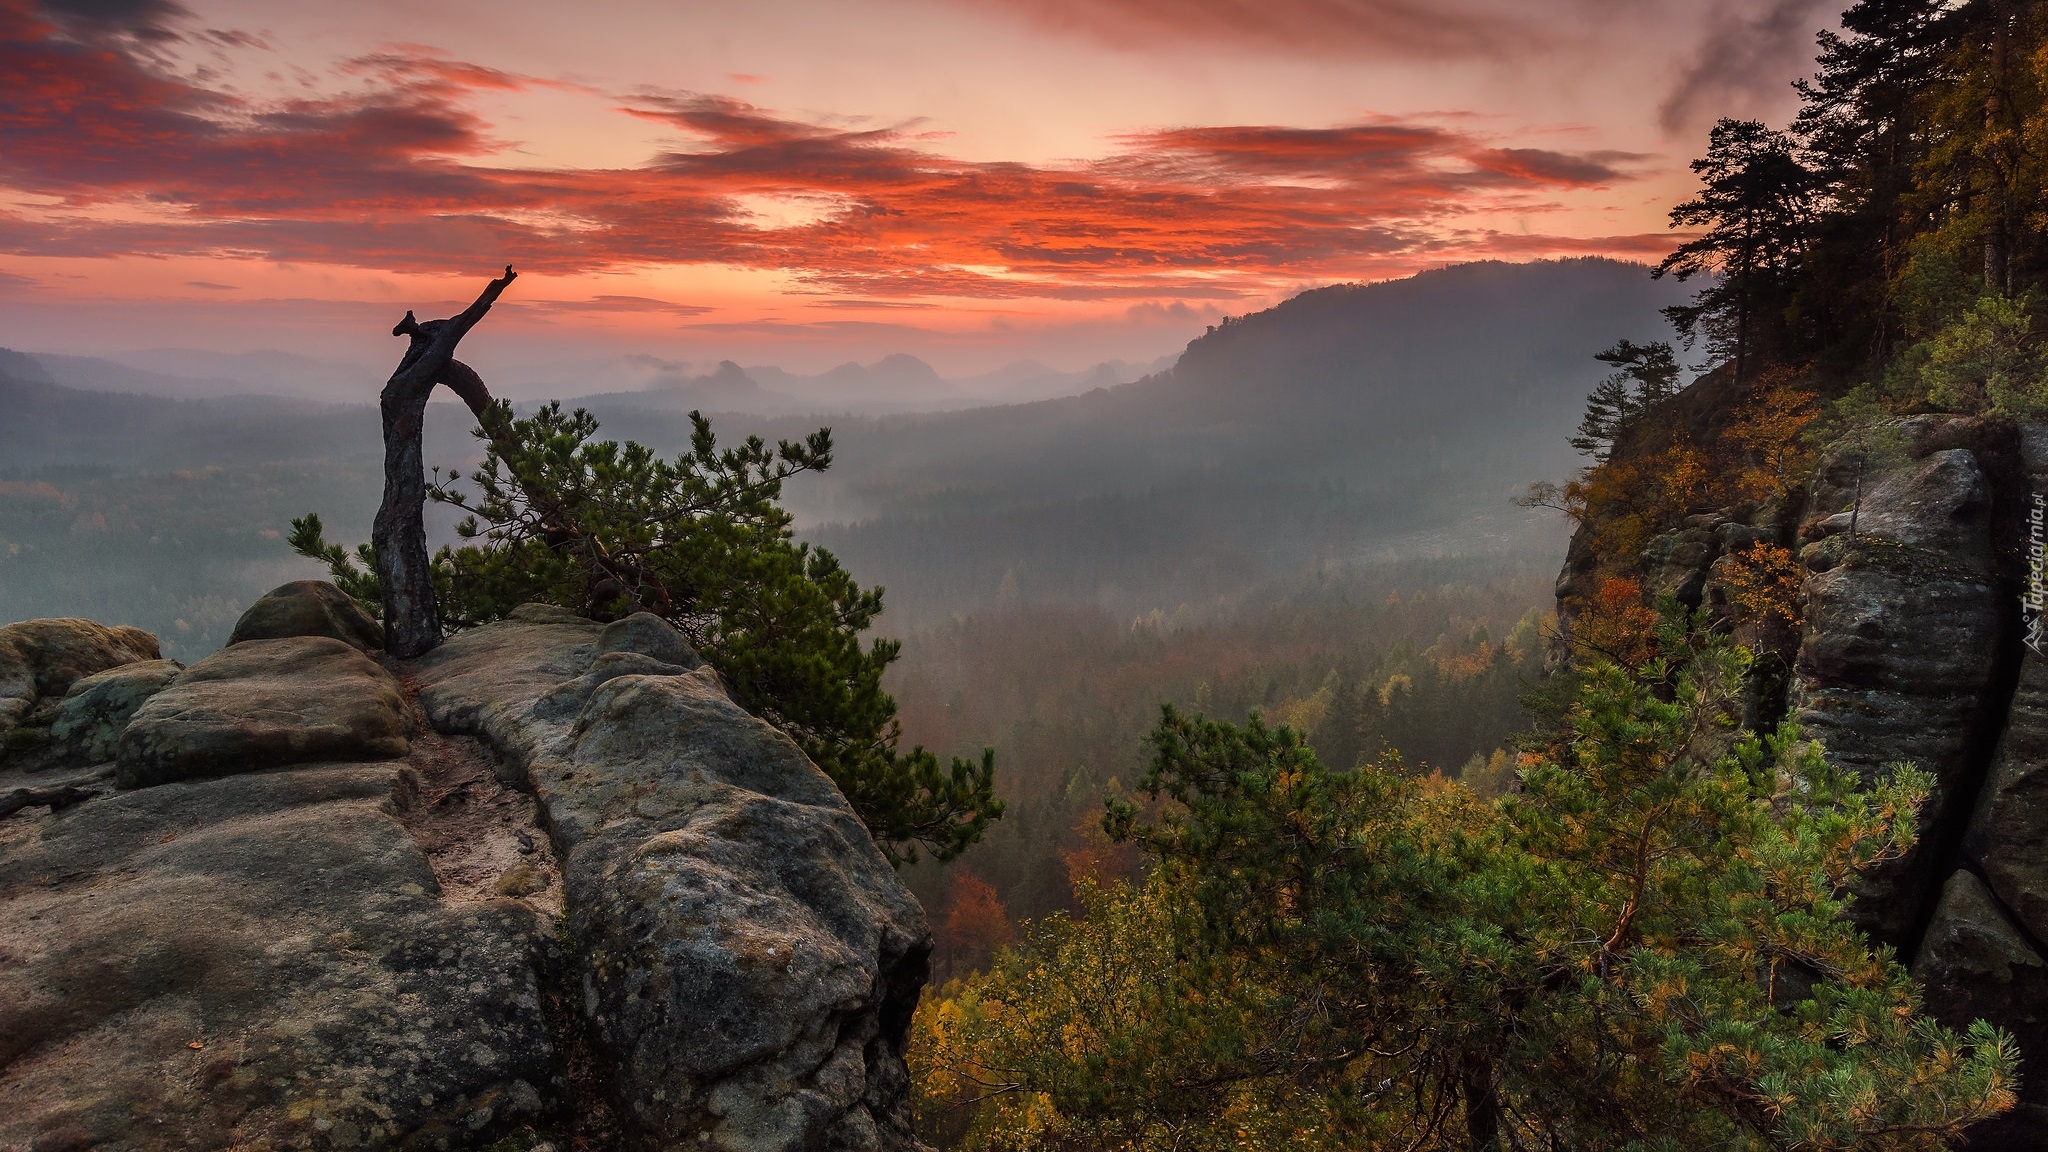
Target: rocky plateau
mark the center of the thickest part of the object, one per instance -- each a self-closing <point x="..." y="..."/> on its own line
<point x="544" y="887"/>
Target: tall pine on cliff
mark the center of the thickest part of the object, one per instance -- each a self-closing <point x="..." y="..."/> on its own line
<point x="1900" y="198"/>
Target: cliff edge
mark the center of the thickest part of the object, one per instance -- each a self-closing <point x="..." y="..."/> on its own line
<point x="546" y="885"/>
<point x="1916" y="642"/>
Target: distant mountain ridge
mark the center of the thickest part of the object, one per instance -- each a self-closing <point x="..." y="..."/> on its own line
<point x="1337" y="426"/>
<point x="1347" y="425"/>
<point x="895" y="383"/>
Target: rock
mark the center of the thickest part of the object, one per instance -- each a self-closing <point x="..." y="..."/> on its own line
<point x="1676" y="563"/>
<point x="1938" y="504"/>
<point x="45" y="657"/>
<point x="1977" y="965"/>
<point x="261" y="961"/>
<point x="273" y="946"/>
<point x="1971" y="944"/>
<point x="86" y="724"/>
<point x="750" y="962"/>
<point x="260" y="704"/>
<point x="649" y="635"/>
<point x="1896" y="660"/>
<point x="485" y="688"/>
<point x="2008" y="832"/>
<point x="309" y="608"/>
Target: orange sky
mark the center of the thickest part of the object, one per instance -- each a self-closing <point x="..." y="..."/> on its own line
<point x="805" y="182"/>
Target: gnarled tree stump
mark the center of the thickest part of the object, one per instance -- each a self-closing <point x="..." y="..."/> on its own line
<point x="412" y="623"/>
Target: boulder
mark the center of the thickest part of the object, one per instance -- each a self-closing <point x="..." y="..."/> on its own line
<point x="84" y="727"/>
<point x="45" y="657"/>
<point x="262" y="961"/>
<point x="309" y="608"/>
<point x="750" y="962"/>
<point x="261" y="704"/>
<point x="650" y="636"/>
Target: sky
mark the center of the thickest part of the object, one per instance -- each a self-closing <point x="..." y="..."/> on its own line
<point x="806" y="182"/>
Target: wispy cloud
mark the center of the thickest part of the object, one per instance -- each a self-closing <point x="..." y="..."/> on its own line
<point x="1750" y="46"/>
<point x="1729" y="51"/>
<point x="610" y="303"/>
<point x="394" y="177"/>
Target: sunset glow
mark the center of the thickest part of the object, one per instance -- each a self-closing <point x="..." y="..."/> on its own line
<point x="973" y="182"/>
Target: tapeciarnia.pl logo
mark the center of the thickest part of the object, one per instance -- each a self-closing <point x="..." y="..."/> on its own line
<point x="2034" y="603"/>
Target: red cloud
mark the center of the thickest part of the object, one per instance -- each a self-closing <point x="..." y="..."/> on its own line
<point x="388" y="180"/>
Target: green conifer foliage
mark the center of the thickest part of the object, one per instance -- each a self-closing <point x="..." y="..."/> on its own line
<point x="608" y="529"/>
<point x="1644" y="946"/>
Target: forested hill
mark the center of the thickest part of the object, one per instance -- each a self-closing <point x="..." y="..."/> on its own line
<point x="1349" y="423"/>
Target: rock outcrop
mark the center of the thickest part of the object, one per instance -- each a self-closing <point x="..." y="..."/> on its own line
<point x="262" y="704"/>
<point x="1914" y="648"/>
<point x="750" y="962"/>
<point x="1901" y="659"/>
<point x="547" y="882"/>
<point x="42" y="659"/>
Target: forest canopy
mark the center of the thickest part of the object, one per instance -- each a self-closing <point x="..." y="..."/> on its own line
<point x="1644" y="940"/>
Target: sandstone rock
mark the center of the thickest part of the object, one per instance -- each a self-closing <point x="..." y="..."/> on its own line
<point x="1971" y="944"/>
<point x="751" y="962"/>
<point x="260" y="704"/>
<point x="1977" y="965"/>
<point x="1938" y="503"/>
<point x="45" y="657"/>
<point x="86" y="724"/>
<point x="484" y="681"/>
<point x="1676" y="563"/>
<point x="260" y="962"/>
<point x="309" y="608"/>
<point x="2008" y="833"/>
<point x="1896" y="662"/>
<point x="265" y="959"/>
<point x="649" y="635"/>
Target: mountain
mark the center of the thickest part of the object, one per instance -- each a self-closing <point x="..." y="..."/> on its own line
<point x="1347" y="424"/>
<point x="188" y="374"/>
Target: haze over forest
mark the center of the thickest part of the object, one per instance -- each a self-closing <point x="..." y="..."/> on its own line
<point x="1215" y="392"/>
<point x="1305" y="462"/>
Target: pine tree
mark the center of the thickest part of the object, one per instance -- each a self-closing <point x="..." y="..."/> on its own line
<point x="609" y="529"/>
<point x="1645" y="946"/>
<point x="1754" y="206"/>
<point x="1644" y="376"/>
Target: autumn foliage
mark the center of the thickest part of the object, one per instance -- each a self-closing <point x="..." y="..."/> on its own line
<point x="975" y="924"/>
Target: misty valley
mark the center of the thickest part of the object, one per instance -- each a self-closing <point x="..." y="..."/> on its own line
<point x="1036" y="576"/>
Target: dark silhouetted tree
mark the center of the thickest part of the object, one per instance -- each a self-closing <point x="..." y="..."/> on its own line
<point x="1753" y="208"/>
<point x="398" y="538"/>
<point x="1644" y="376"/>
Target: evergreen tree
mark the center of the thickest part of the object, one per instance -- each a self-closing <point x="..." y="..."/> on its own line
<point x="1644" y="376"/>
<point x="1754" y="208"/>
<point x="1644" y="947"/>
<point x="1859" y="131"/>
<point x="609" y="529"/>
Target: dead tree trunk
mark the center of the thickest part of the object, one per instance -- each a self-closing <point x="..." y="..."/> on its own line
<point x="412" y="623"/>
